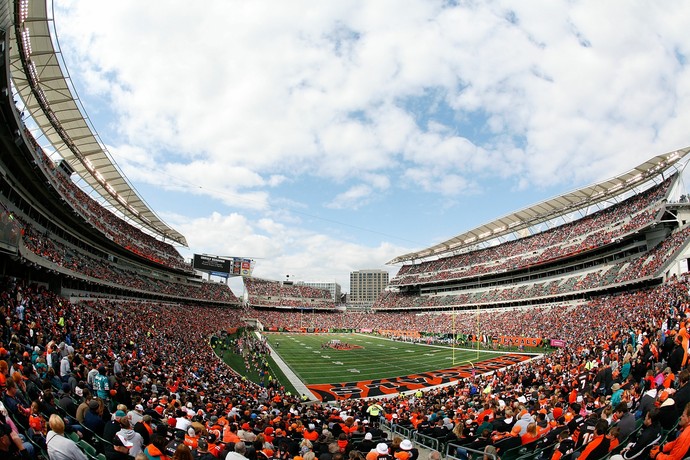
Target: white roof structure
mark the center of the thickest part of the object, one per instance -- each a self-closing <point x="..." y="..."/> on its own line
<point x="547" y="210"/>
<point x="51" y="101"/>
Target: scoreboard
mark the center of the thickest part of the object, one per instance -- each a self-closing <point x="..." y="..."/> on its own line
<point x="224" y="266"/>
<point x="241" y="267"/>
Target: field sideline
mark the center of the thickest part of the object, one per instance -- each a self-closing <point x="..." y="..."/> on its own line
<point x="379" y="362"/>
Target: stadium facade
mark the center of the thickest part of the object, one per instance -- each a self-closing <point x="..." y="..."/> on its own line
<point x="626" y="232"/>
<point x="264" y="293"/>
<point x="107" y="242"/>
<point x="619" y="236"/>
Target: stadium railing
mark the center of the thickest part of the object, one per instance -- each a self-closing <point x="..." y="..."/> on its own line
<point x="426" y="441"/>
<point x="406" y="433"/>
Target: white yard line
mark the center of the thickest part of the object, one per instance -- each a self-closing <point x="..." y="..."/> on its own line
<point x="292" y="377"/>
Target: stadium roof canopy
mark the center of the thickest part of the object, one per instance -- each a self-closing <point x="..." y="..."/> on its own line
<point x="554" y="207"/>
<point x="51" y="101"/>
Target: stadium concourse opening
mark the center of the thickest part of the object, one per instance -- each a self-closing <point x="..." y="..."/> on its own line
<point x="100" y="311"/>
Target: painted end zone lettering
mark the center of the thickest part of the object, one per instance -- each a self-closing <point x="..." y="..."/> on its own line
<point x="381" y="387"/>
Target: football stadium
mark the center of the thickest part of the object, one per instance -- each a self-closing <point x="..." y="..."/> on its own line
<point x="556" y="331"/>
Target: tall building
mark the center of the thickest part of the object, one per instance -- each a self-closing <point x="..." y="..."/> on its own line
<point x="332" y="287"/>
<point x="365" y="285"/>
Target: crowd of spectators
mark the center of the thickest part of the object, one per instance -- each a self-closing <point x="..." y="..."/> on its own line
<point x="262" y="292"/>
<point x="115" y="228"/>
<point x="635" y="269"/>
<point x="618" y="349"/>
<point x="68" y="257"/>
<point x="157" y="357"/>
<point x="140" y="379"/>
<point x="147" y="367"/>
<point x="525" y="321"/>
<point x="591" y="232"/>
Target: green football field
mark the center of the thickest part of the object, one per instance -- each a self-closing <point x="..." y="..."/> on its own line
<point x="378" y="358"/>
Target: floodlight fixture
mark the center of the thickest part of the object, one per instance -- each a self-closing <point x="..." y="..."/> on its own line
<point x="26" y="41"/>
<point x="634" y="178"/>
<point x="615" y="187"/>
<point x="33" y="74"/>
<point x="23" y="10"/>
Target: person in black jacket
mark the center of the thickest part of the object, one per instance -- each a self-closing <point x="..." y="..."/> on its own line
<point x="66" y="402"/>
<point x="626" y="421"/>
<point x="201" y="452"/>
<point x="667" y="410"/>
<point x="675" y="359"/>
<point x="650" y="435"/>
<point x="603" y="381"/>
<point x="93" y="419"/>
<point x="141" y="428"/>
<point x="504" y="424"/>
<point x="367" y="444"/>
<point x="682" y="395"/>
<point x="114" y="448"/>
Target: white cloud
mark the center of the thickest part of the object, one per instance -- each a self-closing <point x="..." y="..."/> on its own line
<point x="377" y="181"/>
<point x="230" y="184"/>
<point x="444" y="184"/>
<point x="353" y="198"/>
<point x="361" y="194"/>
<point x="219" y="234"/>
<point x="374" y="100"/>
<point x="306" y="255"/>
<point x="275" y="84"/>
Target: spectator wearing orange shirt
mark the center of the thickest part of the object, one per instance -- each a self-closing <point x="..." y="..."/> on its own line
<point x="678" y="448"/>
<point x="669" y="378"/>
<point x="531" y="435"/>
<point x="599" y="445"/>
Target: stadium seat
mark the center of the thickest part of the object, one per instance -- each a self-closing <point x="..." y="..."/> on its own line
<point x="88" y="449"/>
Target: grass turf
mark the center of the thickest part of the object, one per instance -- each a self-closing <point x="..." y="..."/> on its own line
<point x="378" y="358"/>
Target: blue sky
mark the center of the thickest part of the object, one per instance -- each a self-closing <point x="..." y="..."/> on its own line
<point x="324" y="137"/>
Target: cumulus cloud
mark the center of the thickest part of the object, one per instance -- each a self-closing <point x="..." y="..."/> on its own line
<point x="374" y="99"/>
<point x="352" y="198"/>
<point x="279" y="249"/>
<point x="323" y="88"/>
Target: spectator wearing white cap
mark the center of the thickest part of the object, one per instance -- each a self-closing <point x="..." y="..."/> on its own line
<point x="367" y="444"/>
<point x="380" y="453"/>
<point x="406" y="451"/>
<point x="136" y="415"/>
